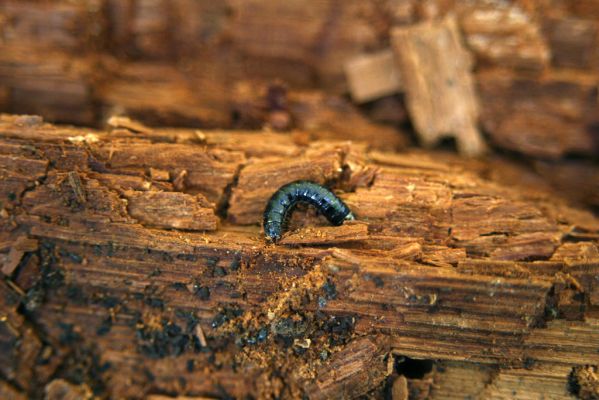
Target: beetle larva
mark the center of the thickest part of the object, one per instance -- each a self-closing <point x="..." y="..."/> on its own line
<point x="283" y="201"/>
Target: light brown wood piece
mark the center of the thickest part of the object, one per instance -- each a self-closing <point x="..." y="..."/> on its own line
<point x="436" y="70"/>
<point x="370" y="76"/>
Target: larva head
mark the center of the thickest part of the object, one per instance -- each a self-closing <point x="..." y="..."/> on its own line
<point x="273" y="232"/>
<point x="350" y="217"/>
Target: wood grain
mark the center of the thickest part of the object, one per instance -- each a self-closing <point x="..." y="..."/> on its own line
<point x="441" y="265"/>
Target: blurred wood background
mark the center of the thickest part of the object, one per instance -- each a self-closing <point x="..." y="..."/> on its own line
<point x="132" y="259"/>
<point x="209" y="64"/>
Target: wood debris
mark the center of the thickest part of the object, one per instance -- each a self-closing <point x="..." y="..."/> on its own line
<point x="440" y="91"/>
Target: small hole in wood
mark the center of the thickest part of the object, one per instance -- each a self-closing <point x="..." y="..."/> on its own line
<point x="412" y="368"/>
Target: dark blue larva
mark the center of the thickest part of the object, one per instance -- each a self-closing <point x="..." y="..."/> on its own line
<point x="283" y="201"/>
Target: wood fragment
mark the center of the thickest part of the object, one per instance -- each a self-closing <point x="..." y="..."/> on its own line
<point x="440" y="93"/>
<point x="371" y="76"/>
<point x="127" y="123"/>
<point x="21" y="245"/>
<point x="200" y="335"/>
<point x="78" y="189"/>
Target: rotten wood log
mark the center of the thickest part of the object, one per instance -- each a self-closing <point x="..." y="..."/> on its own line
<point x="468" y="276"/>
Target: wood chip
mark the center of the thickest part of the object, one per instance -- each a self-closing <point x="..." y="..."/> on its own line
<point x="436" y="71"/>
<point x="371" y="76"/>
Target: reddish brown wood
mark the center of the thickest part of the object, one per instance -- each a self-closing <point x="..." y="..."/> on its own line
<point x="442" y="265"/>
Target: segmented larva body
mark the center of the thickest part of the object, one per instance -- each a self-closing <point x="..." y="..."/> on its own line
<point x="283" y="201"/>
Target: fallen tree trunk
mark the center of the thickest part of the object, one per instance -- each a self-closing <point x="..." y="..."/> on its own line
<point x="134" y="265"/>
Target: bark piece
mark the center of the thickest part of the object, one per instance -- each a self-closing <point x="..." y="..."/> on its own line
<point x="172" y="210"/>
<point x="439" y="86"/>
<point x="574" y="253"/>
<point x="402" y="202"/>
<point x="58" y="200"/>
<point x="480" y="223"/>
<point x="19" y="173"/>
<point x="117" y="122"/>
<point x="122" y="183"/>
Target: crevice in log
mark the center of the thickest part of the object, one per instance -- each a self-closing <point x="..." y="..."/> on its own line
<point x="412" y="368"/>
<point x="222" y="208"/>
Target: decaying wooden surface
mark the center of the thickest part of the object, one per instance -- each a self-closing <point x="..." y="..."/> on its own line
<point x="134" y="265"/>
<point x="189" y="63"/>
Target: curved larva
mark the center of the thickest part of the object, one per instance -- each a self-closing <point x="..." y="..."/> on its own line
<point x="283" y="201"/>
